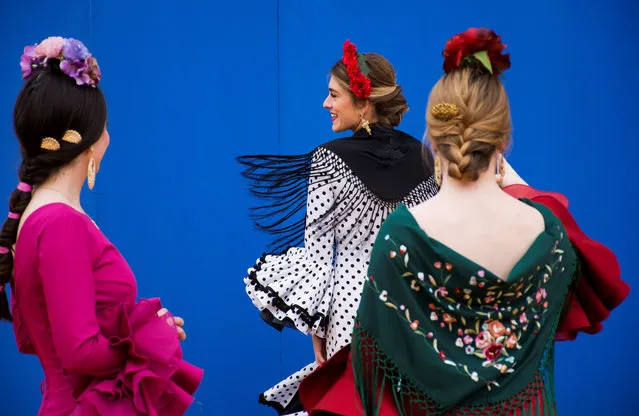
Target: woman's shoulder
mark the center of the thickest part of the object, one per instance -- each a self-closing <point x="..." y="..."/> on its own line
<point x="55" y="217"/>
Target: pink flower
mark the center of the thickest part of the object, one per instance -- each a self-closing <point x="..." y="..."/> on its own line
<point x="442" y="291"/>
<point x="540" y="295"/>
<point x="414" y="325"/>
<point x="482" y="340"/>
<point x="50" y="47"/>
<point x="468" y="340"/>
<point x="523" y="319"/>
<point x="438" y="264"/>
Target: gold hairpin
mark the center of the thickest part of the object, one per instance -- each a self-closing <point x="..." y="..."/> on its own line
<point x="72" y="136"/>
<point x="444" y="111"/>
<point x="49" y="143"/>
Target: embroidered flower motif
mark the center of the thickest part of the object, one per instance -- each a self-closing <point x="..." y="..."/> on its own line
<point x="371" y="278"/>
<point x="540" y="295"/>
<point x="511" y="342"/>
<point x="402" y="307"/>
<point x="523" y="319"/>
<point x="482" y="340"/>
<point x="480" y="273"/>
<point x="496" y="328"/>
<point x="420" y="276"/>
<point x="489" y="299"/>
<point x="469" y="349"/>
<point x="414" y="325"/>
<point x="493" y="351"/>
<point x="430" y="335"/>
<point x="473" y="281"/>
<point x="442" y="355"/>
<point x="402" y="249"/>
<point x="438" y="264"/>
<point x="460" y="332"/>
<point x="442" y="291"/>
<point x="433" y="316"/>
<point x="449" y="319"/>
<point x="459" y="343"/>
<point x="393" y="254"/>
<point x="474" y="376"/>
<point x="448" y="267"/>
<point x="383" y="296"/>
<point x="468" y="340"/>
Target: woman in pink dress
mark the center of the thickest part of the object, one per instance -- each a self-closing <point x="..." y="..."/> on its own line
<point x="73" y="302"/>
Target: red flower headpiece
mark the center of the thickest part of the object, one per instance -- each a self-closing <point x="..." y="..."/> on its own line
<point x="482" y="45"/>
<point x="357" y="71"/>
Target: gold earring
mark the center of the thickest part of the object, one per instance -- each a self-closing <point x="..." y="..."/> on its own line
<point x="501" y="169"/>
<point x="365" y="124"/>
<point x="438" y="171"/>
<point x="91" y="171"/>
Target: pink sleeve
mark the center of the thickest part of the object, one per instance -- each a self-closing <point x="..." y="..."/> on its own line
<point x="22" y="336"/>
<point x="66" y="268"/>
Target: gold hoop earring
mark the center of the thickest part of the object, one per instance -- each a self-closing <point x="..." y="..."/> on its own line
<point x="91" y="171"/>
<point x="366" y="124"/>
<point x="501" y="168"/>
<point x="438" y="171"/>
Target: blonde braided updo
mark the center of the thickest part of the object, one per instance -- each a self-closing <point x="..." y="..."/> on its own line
<point x="468" y="137"/>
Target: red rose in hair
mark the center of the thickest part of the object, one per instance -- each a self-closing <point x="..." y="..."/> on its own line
<point x="359" y="83"/>
<point x="471" y="42"/>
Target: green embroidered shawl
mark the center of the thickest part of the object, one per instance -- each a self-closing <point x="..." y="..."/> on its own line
<point x="448" y="337"/>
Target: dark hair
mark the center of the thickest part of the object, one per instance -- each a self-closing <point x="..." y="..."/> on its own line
<point x="386" y="96"/>
<point x="49" y="104"/>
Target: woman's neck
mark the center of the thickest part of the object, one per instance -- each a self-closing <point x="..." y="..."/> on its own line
<point x="67" y="183"/>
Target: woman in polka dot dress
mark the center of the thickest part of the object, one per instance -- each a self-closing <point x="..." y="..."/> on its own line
<point x="348" y="187"/>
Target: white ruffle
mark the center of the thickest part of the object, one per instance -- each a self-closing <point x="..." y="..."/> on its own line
<point x="293" y="289"/>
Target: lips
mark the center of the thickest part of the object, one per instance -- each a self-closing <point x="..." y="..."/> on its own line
<point x="333" y="116"/>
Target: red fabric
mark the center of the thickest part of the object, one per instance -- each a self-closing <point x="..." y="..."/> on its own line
<point x="600" y="288"/>
<point x="330" y="390"/>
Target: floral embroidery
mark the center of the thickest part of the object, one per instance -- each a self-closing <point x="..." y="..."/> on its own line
<point x="501" y="328"/>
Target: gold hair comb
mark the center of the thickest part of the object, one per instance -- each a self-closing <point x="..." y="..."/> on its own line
<point x="444" y="111"/>
<point x="49" y="143"/>
<point x="72" y="136"/>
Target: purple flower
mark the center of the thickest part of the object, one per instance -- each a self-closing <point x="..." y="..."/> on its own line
<point x="26" y="61"/>
<point x="74" y="49"/>
<point x="76" y="70"/>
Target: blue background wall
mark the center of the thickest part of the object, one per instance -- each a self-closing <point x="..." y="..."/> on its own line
<point x="192" y="84"/>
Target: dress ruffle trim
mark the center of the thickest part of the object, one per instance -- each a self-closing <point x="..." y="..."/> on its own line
<point x="291" y="291"/>
<point x="155" y="380"/>
<point x="599" y="287"/>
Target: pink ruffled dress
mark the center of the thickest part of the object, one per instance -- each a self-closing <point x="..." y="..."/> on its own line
<point x="74" y="307"/>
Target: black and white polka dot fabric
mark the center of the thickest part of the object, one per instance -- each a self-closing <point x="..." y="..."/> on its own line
<point x="316" y="288"/>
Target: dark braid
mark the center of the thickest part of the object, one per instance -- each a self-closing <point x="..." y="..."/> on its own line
<point x="48" y="105"/>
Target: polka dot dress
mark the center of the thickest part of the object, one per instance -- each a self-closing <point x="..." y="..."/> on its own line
<point x="317" y="288"/>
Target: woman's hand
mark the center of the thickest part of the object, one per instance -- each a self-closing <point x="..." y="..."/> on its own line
<point x="319" y="347"/>
<point x="179" y="323"/>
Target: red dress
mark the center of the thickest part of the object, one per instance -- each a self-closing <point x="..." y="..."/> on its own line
<point x="331" y="388"/>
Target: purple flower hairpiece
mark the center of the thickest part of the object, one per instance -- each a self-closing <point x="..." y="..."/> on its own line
<point x="75" y="59"/>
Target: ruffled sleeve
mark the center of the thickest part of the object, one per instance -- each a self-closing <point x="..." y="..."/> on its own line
<point x="154" y="379"/>
<point x="294" y="289"/>
<point x="599" y="287"/>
